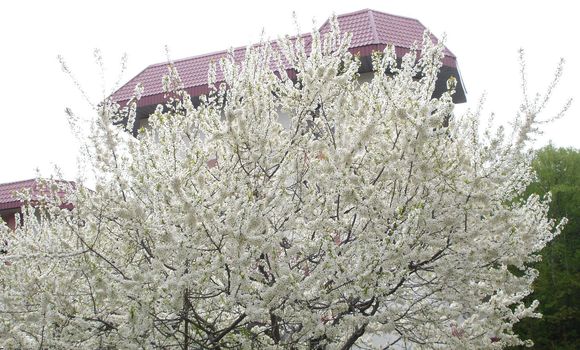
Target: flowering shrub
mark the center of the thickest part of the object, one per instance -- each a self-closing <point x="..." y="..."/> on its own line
<point x="377" y="217"/>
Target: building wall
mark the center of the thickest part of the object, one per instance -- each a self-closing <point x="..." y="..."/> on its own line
<point x="9" y="219"/>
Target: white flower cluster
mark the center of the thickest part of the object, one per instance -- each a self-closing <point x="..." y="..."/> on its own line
<point x="378" y="216"/>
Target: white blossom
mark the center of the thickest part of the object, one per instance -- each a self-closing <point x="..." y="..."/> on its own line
<point x="377" y="216"/>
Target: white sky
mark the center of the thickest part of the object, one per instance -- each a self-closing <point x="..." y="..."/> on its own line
<point x="34" y="133"/>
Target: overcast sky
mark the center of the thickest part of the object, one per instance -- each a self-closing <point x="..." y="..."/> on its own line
<point x="34" y="133"/>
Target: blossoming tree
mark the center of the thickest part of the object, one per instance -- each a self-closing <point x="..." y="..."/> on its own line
<point x="378" y="218"/>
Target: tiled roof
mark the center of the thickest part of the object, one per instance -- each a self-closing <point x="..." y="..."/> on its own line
<point x="371" y="30"/>
<point x="8" y="199"/>
<point x="369" y="27"/>
<point x="8" y="191"/>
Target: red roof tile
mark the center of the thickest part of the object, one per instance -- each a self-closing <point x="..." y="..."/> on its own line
<point x="8" y="199"/>
<point x="371" y="30"/>
<point x="8" y="192"/>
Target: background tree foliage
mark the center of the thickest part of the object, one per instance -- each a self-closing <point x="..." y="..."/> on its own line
<point x="558" y="286"/>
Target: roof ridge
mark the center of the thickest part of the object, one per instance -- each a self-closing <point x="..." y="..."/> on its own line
<point x="375" y="11"/>
<point x="17" y="182"/>
<point x="392" y="15"/>
<point x="214" y="53"/>
<point x="373" y="26"/>
<point x="342" y="15"/>
<point x="368" y="10"/>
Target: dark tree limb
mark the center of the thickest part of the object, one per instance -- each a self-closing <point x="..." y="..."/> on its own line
<point x="354" y="337"/>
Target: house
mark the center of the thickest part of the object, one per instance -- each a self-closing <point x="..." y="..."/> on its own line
<point x="371" y="31"/>
<point x="10" y="203"/>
